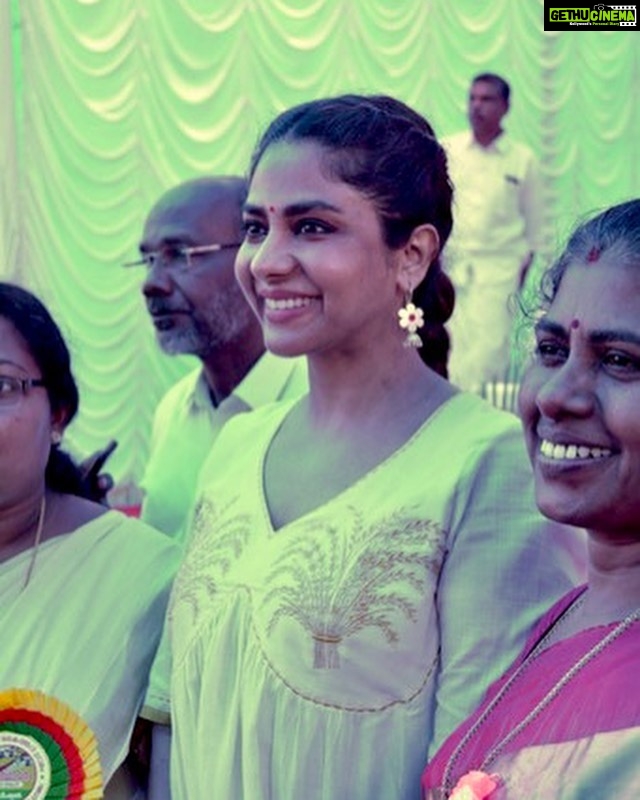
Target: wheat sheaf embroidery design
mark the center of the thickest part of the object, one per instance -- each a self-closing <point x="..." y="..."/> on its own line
<point x="218" y="539"/>
<point x="336" y="585"/>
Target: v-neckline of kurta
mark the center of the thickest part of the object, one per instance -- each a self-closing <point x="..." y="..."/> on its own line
<point x="266" y="444"/>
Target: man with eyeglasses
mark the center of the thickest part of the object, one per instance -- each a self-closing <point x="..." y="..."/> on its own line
<point x="188" y="248"/>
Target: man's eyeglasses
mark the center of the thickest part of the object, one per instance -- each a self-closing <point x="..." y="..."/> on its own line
<point x="179" y="259"/>
<point x="13" y="389"/>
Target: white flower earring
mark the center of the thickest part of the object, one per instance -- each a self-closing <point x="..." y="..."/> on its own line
<point x="410" y="318"/>
<point x="56" y="438"/>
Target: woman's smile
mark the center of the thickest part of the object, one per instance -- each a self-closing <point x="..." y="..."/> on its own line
<point x="556" y="451"/>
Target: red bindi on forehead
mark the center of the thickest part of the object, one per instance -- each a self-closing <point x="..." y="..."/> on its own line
<point x="575" y="323"/>
<point x="593" y="255"/>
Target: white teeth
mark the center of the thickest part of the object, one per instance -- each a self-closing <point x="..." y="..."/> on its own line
<point x="289" y="302"/>
<point x="571" y="452"/>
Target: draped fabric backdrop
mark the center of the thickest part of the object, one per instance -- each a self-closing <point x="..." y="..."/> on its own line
<point x="106" y="103"/>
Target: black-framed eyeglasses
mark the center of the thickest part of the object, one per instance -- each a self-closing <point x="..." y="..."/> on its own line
<point x="177" y="257"/>
<point x="13" y="389"/>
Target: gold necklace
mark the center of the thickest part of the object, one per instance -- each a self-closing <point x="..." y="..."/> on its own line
<point x="36" y="542"/>
<point x="493" y="753"/>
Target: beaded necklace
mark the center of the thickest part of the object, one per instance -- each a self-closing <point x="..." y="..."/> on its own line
<point x="495" y="751"/>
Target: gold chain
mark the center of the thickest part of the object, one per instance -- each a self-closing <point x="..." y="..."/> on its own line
<point x="36" y="542"/>
<point x="544" y="702"/>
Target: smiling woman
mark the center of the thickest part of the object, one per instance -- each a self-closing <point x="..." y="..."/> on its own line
<point x="368" y="556"/>
<point x="564" y="722"/>
<point x="581" y="397"/>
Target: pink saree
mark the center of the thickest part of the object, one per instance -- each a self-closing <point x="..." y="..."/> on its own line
<point x="583" y="743"/>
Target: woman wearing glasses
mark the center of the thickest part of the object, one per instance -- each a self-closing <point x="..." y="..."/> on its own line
<point x="82" y="589"/>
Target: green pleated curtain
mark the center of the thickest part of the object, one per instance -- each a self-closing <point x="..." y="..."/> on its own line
<point x="108" y="102"/>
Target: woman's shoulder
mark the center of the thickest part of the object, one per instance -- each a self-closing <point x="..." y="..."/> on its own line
<point x="468" y="421"/>
<point x="243" y="441"/>
<point x="252" y="427"/>
<point x="553" y="614"/>
<point x="129" y="534"/>
<point x="66" y="513"/>
<point x="143" y="555"/>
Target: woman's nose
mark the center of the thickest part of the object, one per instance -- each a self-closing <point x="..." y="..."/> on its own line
<point x="273" y="257"/>
<point x="568" y="391"/>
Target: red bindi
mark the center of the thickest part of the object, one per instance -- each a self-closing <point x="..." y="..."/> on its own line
<point x="593" y="254"/>
<point x="272" y="209"/>
<point x="575" y="323"/>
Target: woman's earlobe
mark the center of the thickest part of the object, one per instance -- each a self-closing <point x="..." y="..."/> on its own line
<point x="59" y="420"/>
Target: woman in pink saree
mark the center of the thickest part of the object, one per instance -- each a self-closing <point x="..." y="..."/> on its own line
<point x="564" y="722"/>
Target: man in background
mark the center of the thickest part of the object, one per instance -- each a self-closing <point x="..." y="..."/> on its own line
<point x="497" y="229"/>
<point x="188" y="247"/>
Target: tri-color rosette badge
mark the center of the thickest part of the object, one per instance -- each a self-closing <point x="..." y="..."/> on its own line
<point x="46" y="750"/>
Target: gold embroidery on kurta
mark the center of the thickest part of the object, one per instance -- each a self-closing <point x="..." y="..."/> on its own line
<point x="217" y="541"/>
<point x="335" y="584"/>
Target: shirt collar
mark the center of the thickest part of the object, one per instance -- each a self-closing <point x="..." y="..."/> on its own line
<point x="264" y="383"/>
<point x="499" y="145"/>
<point x="200" y="399"/>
